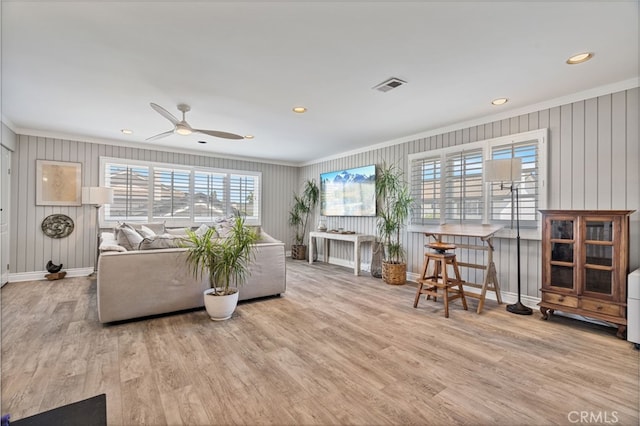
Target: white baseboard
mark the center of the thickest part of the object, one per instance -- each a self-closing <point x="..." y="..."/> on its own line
<point x="39" y="275"/>
<point x="366" y="267"/>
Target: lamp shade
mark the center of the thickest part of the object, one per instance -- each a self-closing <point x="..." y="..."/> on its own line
<point x="97" y="195"/>
<point x="506" y="170"/>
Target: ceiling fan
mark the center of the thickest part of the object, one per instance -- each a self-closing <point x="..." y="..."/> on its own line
<point x="181" y="127"/>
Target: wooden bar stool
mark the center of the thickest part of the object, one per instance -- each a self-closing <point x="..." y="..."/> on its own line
<point x="430" y="284"/>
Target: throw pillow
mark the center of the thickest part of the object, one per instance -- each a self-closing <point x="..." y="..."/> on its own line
<point x="129" y="238"/>
<point x="116" y="230"/>
<point x="156" y="227"/>
<point x="146" y="232"/>
<point x="224" y="226"/>
<point x="202" y="229"/>
<point x="163" y="241"/>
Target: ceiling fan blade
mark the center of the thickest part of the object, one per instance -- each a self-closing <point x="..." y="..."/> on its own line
<point x="218" y="134"/>
<point x="166" y="114"/>
<point x="161" y="135"/>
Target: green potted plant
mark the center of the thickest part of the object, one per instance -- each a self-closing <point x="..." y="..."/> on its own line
<point x="225" y="261"/>
<point x="303" y="206"/>
<point x="394" y="200"/>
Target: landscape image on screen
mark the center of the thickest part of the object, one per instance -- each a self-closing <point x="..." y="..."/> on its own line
<point x="350" y="192"/>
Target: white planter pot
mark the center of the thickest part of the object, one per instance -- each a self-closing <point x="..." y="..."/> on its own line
<point x="220" y="307"/>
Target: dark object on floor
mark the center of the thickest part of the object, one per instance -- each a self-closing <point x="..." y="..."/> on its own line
<point x="55" y="276"/>
<point x="53" y="268"/>
<point x="90" y="412"/>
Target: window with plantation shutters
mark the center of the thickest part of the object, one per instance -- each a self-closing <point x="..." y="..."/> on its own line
<point x="501" y="204"/>
<point x="171" y="193"/>
<point x="448" y="184"/>
<point x="179" y="196"/>
<point x="425" y="187"/>
<point x="209" y="195"/>
<point x="244" y="194"/>
<point x="130" y="185"/>
<point x="463" y="186"/>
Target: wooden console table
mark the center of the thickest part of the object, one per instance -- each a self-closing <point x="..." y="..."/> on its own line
<point x="356" y="239"/>
<point x="485" y="233"/>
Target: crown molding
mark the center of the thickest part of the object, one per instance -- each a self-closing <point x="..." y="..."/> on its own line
<point x="631" y="83"/>
<point x="552" y="103"/>
<point x="139" y="145"/>
<point x="8" y="123"/>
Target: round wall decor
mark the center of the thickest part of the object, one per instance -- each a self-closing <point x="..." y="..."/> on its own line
<point x="57" y="226"/>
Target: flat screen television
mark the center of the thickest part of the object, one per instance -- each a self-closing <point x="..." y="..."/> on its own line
<point x="350" y="192"/>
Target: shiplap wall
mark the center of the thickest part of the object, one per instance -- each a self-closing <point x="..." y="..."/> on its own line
<point x="593" y="163"/>
<point x="31" y="249"/>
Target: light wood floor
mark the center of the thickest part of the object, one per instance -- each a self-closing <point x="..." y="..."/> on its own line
<point x="335" y="349"/>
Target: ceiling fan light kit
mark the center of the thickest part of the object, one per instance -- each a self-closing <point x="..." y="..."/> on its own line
<point x="181" y="127"/>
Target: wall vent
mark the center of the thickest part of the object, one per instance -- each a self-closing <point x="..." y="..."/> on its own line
<point x="390" y="84"/>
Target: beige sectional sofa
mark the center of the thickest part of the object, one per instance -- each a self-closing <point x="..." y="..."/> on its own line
<point x="139" y="283"/>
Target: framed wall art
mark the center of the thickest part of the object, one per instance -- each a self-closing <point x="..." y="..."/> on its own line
<point x="58" y="183"/>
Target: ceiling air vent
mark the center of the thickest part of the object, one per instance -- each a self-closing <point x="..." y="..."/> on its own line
<point x="390" y="84"/>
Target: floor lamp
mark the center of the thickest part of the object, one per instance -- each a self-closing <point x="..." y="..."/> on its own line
<point x="97" y="196"/>
<point x="509" y="170"/>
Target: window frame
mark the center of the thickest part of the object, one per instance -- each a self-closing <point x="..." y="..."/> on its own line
<point x="254" y="220"/>
<point x="487" y="146"/>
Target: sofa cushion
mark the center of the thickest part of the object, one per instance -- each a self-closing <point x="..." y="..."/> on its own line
<point x="200" y="231"/>
<point x="128" y="237"/>
<point x="176" y="231"/>
<point x="160" y="242"/>
<point x="111" y="246"/>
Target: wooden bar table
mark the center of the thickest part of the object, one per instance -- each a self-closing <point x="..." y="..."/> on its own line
<point x="484" y="233"/>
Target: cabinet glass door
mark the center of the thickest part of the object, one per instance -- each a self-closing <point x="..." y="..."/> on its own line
<point x="598" y="273"/>
<point x="562" y="258"/>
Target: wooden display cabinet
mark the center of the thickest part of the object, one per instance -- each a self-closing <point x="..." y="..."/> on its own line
<point x="585" y="257"/>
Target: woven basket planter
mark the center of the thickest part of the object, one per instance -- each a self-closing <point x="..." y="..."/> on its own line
<point x="298" y="251"/>
<point x="394" y="273"/>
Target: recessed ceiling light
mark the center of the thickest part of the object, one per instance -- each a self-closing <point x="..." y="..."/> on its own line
<point x="127" y="131"/>
<point x="579" y="58"/>
<point x="499" y="101"/>
<point x="249" y="136"/>
<point x="202" y="141"/>
<point x="299" y="109"/>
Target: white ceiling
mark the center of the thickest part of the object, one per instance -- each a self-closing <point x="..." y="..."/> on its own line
<point x="89" y="69"/>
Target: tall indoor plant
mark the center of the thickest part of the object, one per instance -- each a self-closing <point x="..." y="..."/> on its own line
<point x="225" y="261"/>
<point x="303" y="206"/>
<point x="394" y="200"/>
